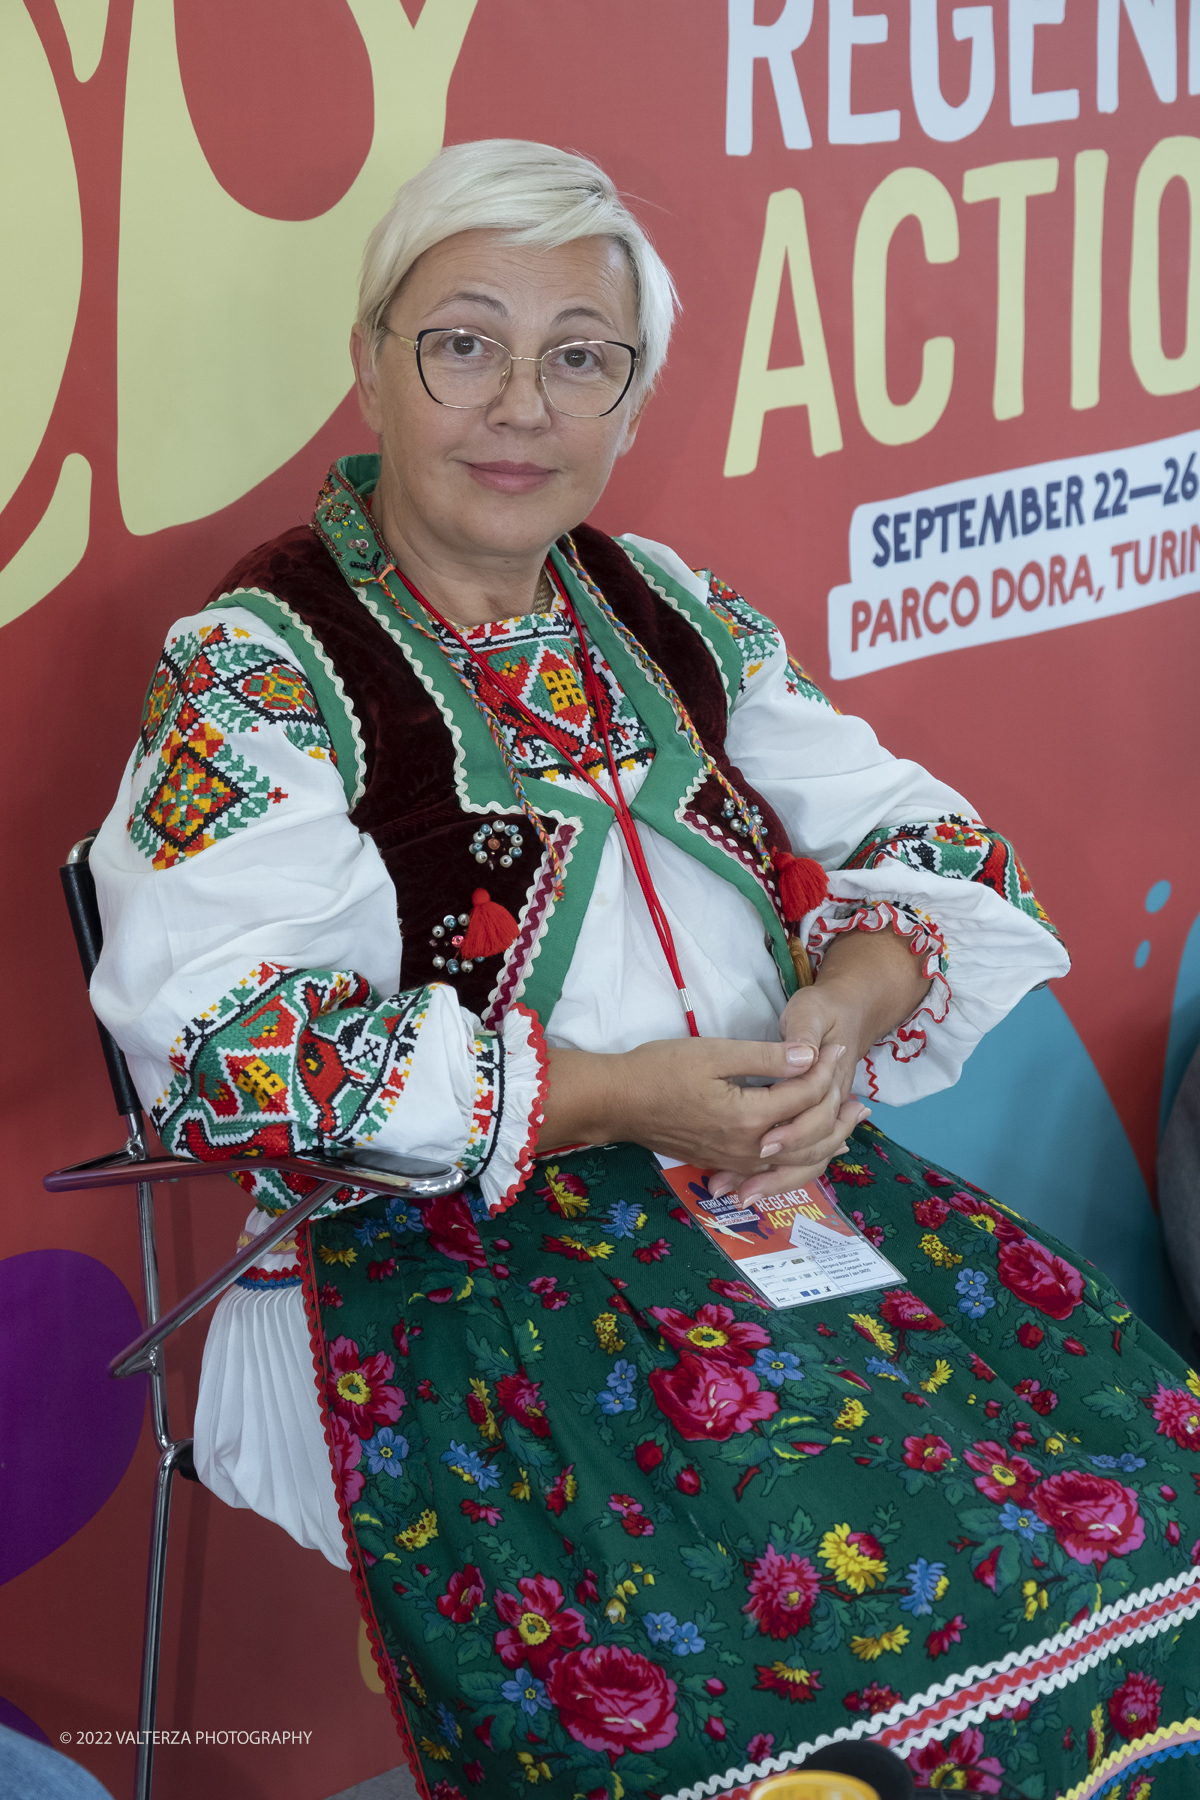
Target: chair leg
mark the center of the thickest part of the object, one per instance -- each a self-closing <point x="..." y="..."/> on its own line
<point x="168" y="1466"/>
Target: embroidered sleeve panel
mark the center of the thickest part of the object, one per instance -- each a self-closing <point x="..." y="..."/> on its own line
<point x="756" y="637"/>
<point x="316" y="1060"/>
<point x="215" y="686"/>
<point x="960" y="849"/>
<point x="292" y="1061"/>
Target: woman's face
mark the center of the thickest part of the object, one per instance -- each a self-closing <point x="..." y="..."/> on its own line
<point x="506" y="479"/>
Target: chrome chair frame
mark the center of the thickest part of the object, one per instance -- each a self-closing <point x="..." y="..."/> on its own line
<point x="377" y="1172"/>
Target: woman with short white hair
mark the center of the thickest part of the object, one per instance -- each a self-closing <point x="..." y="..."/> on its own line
<point x="461" y="829"/>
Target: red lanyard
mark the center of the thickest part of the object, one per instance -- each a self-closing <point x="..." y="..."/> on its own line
<point x="616" y="800"/>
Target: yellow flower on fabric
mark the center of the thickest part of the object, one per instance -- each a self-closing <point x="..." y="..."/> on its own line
<point x="415" y="1536"/>
<point x="607" y="1335"/>
<point x="594" y="1252"/>
<point x="941" y="1587"/>
<point x="1193" y="1382"/>
<point x="941" y="1375"/>
<point x="878" y="1334"/>
<point x="1054" y="1445"/>
<point x="939" y="1254"/>
<point x="614" y="1612"/>
<point x="870" y="1649"/>
<point x="439" y="1752"/>
<point x="346" y="1256"/>
<point x="1034" y="1597"/>
<point x="520" y="1489"/>
<point x="854" y="1556"/>
<point x="535" y="1771"/>
<point x="851" y="1416"/>
<point x="569" y="1204"/>
<point x="1096" y="1740"/>
<point x="482" y="1413"/>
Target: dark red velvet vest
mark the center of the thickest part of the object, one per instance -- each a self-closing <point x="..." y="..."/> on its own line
<point x="409" y="806"/>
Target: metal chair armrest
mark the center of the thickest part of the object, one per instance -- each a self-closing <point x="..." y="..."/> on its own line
<point x="378" y="1171"/>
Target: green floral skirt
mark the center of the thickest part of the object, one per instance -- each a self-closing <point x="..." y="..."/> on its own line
<point x="618" y="1528"/>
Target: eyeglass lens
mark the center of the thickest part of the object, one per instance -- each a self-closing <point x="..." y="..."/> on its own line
<point x="583" y="380"/>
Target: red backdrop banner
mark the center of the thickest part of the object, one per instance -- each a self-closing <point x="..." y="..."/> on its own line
<point x="931" y="405"/>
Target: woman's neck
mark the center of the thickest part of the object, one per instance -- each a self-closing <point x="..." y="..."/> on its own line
<point x="464" y="591"/>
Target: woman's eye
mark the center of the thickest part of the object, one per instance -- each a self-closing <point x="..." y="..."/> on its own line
<point x="575" y="359"/>
<point x="463" y="345"/>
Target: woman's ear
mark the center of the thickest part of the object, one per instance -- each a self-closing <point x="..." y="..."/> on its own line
<point x="634" y="419"/>
<point x="366" y="380"/>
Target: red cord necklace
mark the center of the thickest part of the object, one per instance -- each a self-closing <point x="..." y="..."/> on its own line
<point x="615" y="800"/>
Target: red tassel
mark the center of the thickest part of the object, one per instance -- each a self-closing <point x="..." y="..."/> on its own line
<point x="802" y="883"/>
<point x="492" y="927"/>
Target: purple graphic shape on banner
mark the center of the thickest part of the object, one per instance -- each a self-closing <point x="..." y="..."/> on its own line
<point x="16" y="1720"/>
<point x="70" y="1430"/>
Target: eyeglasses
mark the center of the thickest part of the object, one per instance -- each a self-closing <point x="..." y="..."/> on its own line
<point x="584" y="379"/>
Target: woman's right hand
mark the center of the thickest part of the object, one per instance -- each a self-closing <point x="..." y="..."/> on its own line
<point x="682" y="1098"/>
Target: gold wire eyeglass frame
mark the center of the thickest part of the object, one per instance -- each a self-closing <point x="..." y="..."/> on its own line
<point x="414" y="344"/>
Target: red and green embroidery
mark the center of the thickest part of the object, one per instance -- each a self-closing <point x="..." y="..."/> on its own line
<point x="210" y="685"/>
<point x="288" y="1062"/>
<point x="960" y="849"/>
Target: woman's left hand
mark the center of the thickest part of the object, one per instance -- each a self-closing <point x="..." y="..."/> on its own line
<point x="868" y="983"/>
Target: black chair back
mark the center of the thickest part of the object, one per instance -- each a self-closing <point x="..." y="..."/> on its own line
<point x="79" y="886"/>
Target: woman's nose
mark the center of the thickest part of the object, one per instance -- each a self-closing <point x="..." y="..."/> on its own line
<point x="522" y="402"/>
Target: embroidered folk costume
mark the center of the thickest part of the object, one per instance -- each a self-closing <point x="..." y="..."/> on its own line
<point x="617" y="1527"/>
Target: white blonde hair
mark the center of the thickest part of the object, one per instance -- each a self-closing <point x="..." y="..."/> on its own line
<point x="534" y="193"/>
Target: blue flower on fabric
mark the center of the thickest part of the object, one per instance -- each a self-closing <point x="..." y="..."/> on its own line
<point x="1129" y="1463"/>
<point x="369" y="1230"/>
<point x="778" y="1366"/>
<point x="617" y="1395"/>
<point x="661" y="1627"/>
<point x="923" y="1578"/>
<point x="471" y="1466"/>
<point x="877" y="1366"/>
<point x="1019" y="1518"/>
<point x="401" y="1218"/>
<point x="622" y="1218"/>
<point x="972" y="1285"/>
<point x="478" y="1206"/>
<point x="529" y="1695"/>
<point x="386" y="1452"/>
<point x="448" y="1724"/>
<point x="688" y="1641"/>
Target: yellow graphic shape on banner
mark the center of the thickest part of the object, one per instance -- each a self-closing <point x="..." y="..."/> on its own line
<point x="1174" y="158"/>
<point x="84" y="22"/>
<point x="54" y="547"/>
<point x="233" y="328"/>
<point x="42" y="234"/>
<point x="808" y="383"/>
<point x="904" y="194"/>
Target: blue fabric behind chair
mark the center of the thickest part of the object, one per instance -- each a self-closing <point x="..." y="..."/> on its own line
<point x="32" y="1771"/>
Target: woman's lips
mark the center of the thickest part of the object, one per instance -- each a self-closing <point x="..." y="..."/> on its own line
<point x="510" y="477"/>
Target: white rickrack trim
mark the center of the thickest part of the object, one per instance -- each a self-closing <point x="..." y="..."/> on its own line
<point x="838" y="915"/>
<point x="876" y="1725"/>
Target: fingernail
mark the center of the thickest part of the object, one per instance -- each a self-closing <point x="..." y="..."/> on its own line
<point x="800" y="1055"/>
<point x="841" y="1148"/>
<point x="771" y="1148"/>
<point x="719" y="1189"/>
<point x="838" y="1050"/>
<point x="864" y="1112"/>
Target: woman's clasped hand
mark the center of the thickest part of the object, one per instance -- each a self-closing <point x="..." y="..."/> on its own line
<point x="763" y="1117"/>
